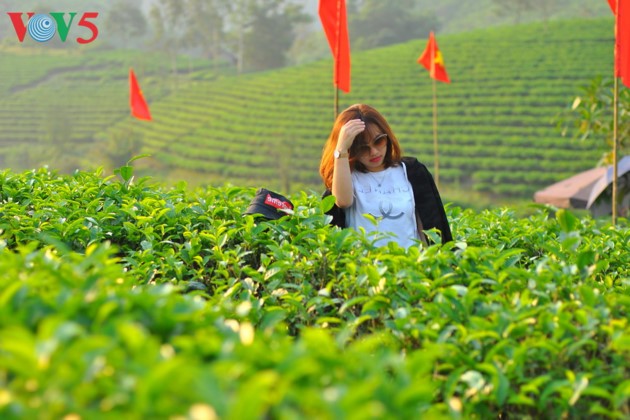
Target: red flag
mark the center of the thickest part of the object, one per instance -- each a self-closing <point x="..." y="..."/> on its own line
<point x="332" y="14"/>
<point x="622" y="41"/>
<point x="613" y="5"/>
<point x="432" y="60"/>
<point x="139" y="107"/>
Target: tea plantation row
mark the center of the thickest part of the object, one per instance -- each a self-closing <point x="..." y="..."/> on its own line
<point x="54" y="103"/>
<point x="122" y="299"/>
<point x="508" y="84"/>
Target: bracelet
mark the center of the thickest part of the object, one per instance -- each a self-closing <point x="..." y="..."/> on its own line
<point x="339" y="154"/>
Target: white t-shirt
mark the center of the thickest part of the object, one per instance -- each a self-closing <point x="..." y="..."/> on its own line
<point x="388" y="197"/>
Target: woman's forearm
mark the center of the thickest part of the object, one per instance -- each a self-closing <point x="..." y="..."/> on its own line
<point x="342" y="183"/>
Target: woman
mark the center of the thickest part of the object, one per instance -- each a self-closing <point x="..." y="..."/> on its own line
<point x="363" y="167"/>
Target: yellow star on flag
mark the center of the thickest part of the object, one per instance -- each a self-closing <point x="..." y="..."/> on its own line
<point x="438" y="58"/>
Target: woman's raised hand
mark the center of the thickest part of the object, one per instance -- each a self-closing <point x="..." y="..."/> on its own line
<point x="348" y="133"/>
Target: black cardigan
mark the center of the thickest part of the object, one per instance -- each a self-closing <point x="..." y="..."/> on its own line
<point x="429" y="205"/>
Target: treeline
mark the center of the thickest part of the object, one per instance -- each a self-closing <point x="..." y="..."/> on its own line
<point x="257" y="35"/>
<point x="251" y="35"/>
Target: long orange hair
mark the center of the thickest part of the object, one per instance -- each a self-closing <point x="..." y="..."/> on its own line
<point x="371" y="117"/>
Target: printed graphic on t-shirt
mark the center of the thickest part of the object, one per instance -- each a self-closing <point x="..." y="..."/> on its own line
<point x="386" y="211"/>
<point x="388" y="198"/>
<point x="379" y="195"/>
<point x="366" y="188"/>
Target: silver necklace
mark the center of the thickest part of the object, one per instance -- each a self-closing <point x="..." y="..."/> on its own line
<point x="378" y="182"/>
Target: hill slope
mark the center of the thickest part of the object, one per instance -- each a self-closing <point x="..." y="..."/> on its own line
<point x="268" y="129"/>
<point x="495" y="130"/>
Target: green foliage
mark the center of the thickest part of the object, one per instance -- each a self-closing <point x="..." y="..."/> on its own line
<point x="270" y="33"/>
<point x="255" y="34"/>
<point x="591" y="117"/>
<point x="526" y="316"/>
<point x="125" y="24"/>
<point x="375" y="23"/>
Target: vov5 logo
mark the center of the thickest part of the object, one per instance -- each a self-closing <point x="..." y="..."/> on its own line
<point x="42" y="27"/>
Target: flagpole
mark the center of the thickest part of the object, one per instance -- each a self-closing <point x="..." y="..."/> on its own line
<point x="614" y="151"/>
<point x="130" y="126"/>
<point x="336" y="60"/>
<point x="436" y="165"/>
<point x="615" y="114"/>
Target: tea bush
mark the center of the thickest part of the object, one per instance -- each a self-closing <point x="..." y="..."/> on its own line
<point x="123" y="298"/>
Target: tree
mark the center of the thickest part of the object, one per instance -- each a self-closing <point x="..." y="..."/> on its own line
<point x="256" y="32"/>
<point x="519" y="8"/>
<point x="375" y="23"/>
<point x="239" y="22"/>
<point x="590" y="117"/>
<point x="205" y="25"/>
<point x="262" y="31"/>
<point x="125" y="23"/>
<point x="167" y="22"/>
<point x="271" y="34"/>
<point x="513" y="8"/>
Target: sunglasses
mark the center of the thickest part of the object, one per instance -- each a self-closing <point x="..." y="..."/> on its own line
<point x="378" y="142"/>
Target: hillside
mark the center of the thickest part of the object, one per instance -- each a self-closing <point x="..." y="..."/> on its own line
<point x="53" y="103"/>
<point x="495" y="119"/>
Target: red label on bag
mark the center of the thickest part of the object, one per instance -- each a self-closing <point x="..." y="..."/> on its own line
<point x="277" y="203"/>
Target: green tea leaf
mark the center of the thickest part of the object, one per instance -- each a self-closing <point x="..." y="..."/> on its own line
<point x="567" y="221"/>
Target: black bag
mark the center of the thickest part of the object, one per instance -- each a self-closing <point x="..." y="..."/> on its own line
<point x="270" y="205"/>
